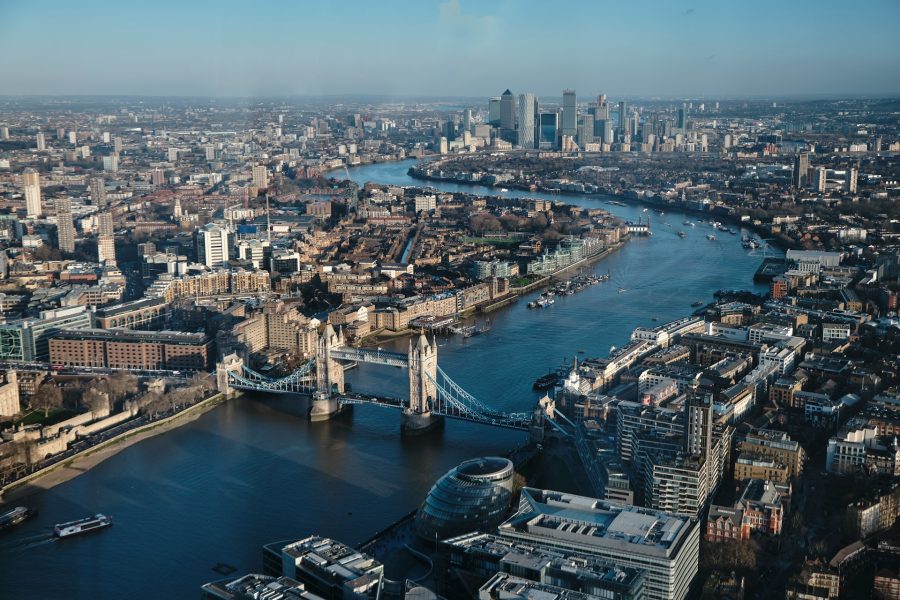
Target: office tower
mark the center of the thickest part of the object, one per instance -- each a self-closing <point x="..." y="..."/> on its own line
<point x="548" y="130"/>
<point x="41" y="145"/>
<point x="585" y="130"/>
<point x="850" y="182"/>
<point x="98" y="191"/>
<point x="569" y="114"/>
<point x="4" y="132"/>
<point x="527" y="104"/>
<point x="105" y="137"/>
<point x="801" y="168"/>
<point x="111" y="163"/>
<point x="260" y="176"/>
<point x="623" y="118"/>
<point x="682" y="117"/>
<point x="601" y="111"/>
<point x="212" y="245"/>
<point x="634" y="124"/>
<point x="106" y="240"/>
<point x="508" y="116"/>
<point x="31" y="186"/>
<point x="449" y="130"/>
<point x="60" y="133"/>
<point x="467" y="120"/>
<point x="494" y="111"/>
<point x="73" y="138"/>
<point x="65" y="230"/>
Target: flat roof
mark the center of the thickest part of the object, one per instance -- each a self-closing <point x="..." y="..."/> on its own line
<point x="131" y="335"/>
<point x="599" y="523"/>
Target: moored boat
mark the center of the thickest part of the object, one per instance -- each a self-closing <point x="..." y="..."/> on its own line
<point x="16" y="516"/>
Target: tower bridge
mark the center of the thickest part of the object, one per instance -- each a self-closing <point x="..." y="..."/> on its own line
<point x="433" y="395"/>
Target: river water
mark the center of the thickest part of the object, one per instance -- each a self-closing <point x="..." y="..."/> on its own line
<point x="251" y="471"/>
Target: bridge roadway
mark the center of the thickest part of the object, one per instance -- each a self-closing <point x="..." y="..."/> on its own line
<point x="494" y="419"/>
<point x="376" y="357"/>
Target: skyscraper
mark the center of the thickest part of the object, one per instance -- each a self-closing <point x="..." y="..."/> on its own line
<point x="527" y="104"/>
<point x="801" y="168"/>
<point x="41" y="145"/>
<point x="569" y="114"/>
<point x="260" y="176"/>
<point x="106" y="240"/>
<point x="98" y="191"/>
<point x="682" y="117"/>
<point x="31" y="187"/>
<point x="623" y="118"/>
<point x="212" y="245"/>
<point x="601" y="111"/>
<point x="548" y="130"/>
<point x="467" y="120"/>
<point x="4" y="132"/>
<point x="508" y="116"/>
<point x="494" y="111"/>
<point x="585" y="130"/>
<point x="65" y="230"/>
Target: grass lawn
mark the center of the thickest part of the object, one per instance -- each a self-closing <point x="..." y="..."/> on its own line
<point x="55" y="415"/>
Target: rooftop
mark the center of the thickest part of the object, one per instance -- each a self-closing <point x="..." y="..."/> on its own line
<point x="597" y="523"/>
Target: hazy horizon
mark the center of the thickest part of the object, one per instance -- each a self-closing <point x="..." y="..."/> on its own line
<point x="452" y="49"/>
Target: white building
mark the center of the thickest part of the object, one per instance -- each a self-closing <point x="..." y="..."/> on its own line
<point x="31" y="184"/>
<point x="212" y="245"/>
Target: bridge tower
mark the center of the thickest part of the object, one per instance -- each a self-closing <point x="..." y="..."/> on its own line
<point x="230" y="364"/>
<point x="417" y="417"/>
<point x="329" y="376"/>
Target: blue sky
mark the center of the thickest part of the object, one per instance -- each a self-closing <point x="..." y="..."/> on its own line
<point x="721" y="48"/>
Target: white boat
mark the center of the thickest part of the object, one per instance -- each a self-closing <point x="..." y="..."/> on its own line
<point x="98" y="521"/>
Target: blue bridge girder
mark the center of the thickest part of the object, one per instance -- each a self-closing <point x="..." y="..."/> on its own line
<point x="375" y="357"/>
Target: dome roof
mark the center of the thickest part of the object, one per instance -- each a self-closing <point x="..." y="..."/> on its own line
<point x="472" y="496"/>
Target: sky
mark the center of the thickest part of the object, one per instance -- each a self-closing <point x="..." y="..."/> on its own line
<point x="451" y="48"/>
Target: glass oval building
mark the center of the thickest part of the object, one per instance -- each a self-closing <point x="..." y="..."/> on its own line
<point x="473" y="496"/>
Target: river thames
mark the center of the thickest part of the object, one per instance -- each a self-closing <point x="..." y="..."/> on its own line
<point x="251" y="471"/>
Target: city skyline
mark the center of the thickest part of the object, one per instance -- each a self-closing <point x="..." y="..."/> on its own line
<point x="455" y="48"/>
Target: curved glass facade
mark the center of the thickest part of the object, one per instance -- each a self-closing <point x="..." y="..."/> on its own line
<point x="473" y="496"/>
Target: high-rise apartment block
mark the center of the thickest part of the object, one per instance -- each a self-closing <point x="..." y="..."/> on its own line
<point x="65" y="229"/>
<point x="260" y="176"/>
<point x="31" y="187"/>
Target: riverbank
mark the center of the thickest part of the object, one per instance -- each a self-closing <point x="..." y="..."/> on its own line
<point x="562" y="274"/>
<point x="722" y="216"/>
<point x="56" y="474"/>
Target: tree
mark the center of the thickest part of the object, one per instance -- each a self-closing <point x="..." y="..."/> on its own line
<point x="120" y="385"/>
<point x="95" y="401"/>
<point x="47" y="396"/>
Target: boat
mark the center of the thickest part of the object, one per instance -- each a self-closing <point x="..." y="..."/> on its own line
<point x="645" y="210"/>
<point x="16" y="516"/>
<point x="682" y="234"/>
<point x="545" y="382"/>
<point x="85" y="525"/>
<point x="698" y="303"/>
<point x="532" y="304"/>
<point x="711" y="237"/>
<point x="504" y="190"/>
<point x="688" y="223"/>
